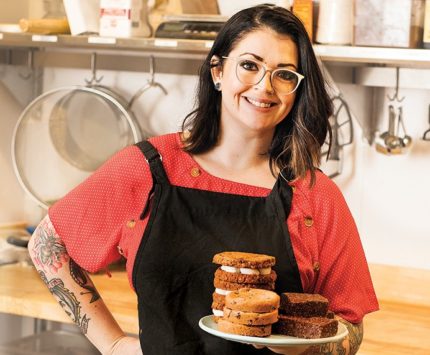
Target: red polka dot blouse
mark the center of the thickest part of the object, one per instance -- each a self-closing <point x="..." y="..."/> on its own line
<point x="99" y="221"/>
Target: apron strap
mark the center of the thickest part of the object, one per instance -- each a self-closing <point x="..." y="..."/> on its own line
<point x="154" y="159"/>
<point x="282" y="192"/>
<point x="281" y="197"/>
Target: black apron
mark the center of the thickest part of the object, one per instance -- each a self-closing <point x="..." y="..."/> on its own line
<point x="173" y="272"/>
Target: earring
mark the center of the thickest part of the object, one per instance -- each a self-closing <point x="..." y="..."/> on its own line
<point x="218" y="86"/>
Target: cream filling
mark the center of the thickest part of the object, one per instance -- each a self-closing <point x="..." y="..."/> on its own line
<point x="246" y="271"/>
<point x="231" y="269"/>
<point x="221" y="291"/>
<point x="217" y="312"/>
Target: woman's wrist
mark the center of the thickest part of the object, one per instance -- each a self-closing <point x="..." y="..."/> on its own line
<point x="113" y="346"/>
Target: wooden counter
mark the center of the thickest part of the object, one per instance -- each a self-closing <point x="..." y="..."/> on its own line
<point x="23" y="293"/>
<point x="402" y="326"/>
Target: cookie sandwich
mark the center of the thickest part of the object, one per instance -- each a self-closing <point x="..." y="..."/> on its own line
<point x="250" y="312"/>
<point x="240" y="270"/>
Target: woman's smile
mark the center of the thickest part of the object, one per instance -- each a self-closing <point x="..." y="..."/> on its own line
<point x="260" y="103"/>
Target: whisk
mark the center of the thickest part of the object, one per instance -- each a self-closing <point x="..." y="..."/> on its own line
<point x="426" y="135"/>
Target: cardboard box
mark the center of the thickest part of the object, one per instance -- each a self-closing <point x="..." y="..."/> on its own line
<point x="202" y="7"/>
<point x="124" y="18"/>
<point x="426" y="34"/>
<point x="303" y="9"/>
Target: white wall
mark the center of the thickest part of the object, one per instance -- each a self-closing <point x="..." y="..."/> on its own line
<point x="389" y="195"/>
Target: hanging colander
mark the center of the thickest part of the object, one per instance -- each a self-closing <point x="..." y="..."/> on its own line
<point x="67" y="133"/>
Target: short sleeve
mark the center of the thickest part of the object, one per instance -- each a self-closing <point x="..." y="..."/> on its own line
<point x="344" y="276"/>
<point x="90" y="218"/>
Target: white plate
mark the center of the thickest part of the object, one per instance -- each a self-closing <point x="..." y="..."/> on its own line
<point x="208" y="325"/>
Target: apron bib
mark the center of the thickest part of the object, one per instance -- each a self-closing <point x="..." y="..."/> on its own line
<point x="173" y="273"/>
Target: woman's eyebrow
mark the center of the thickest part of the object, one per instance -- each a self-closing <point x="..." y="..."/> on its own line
<point x="254" y="55"/>
<point x="283" y="65"/>
<point x="261" y="59"/>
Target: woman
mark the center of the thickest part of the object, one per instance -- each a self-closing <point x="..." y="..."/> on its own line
<point x="242" y="176"/>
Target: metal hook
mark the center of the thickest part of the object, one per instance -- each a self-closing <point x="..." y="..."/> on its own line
<point x="151" y="70"/>
<point x="152" y="81"/>
<point x="149" y="84"/>
<point x="426" y="135"/>
<point x="396" y="94"/>
<point x="94" y="78"/>
<point x="30" y="66"/>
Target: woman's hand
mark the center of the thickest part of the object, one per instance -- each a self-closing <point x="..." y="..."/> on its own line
<point x="126" y="345"/>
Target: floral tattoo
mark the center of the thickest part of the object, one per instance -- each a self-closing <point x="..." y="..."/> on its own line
<point x="48" y="250"/>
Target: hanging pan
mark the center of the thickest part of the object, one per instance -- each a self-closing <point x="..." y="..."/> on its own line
<point x="67" y="133"/>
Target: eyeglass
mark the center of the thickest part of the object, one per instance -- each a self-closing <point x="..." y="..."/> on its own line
<point x="251" y="72"/>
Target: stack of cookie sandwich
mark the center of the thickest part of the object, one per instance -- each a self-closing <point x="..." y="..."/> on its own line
<point x="249" y="311"/>
<point x="240" y="270"/>
<point x="305" y="315"/>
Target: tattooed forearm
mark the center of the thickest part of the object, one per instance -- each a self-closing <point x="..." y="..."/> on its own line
<point x="80" y="277"/>
<point x="48" y="251"/>
<point x="340" y="348"/>
<point x="349" y="346"/>
<point x="355" y="335"/>
<point x="67" y="300"/>
<point x="324" y="349"/>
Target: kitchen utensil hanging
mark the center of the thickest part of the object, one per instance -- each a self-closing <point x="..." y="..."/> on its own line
<point x="391" y="142"/>
<point x="65" y="134"/>
<point x="426" y="135"/>
<point x="342" y="135"/>
<point x="341" y="124"/>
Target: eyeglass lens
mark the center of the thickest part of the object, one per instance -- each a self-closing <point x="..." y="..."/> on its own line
<point x="250" y="72"/>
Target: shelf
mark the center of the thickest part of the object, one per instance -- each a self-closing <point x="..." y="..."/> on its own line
<point x="158" y="46"/>
<point x="375" y="55"/>
<point x="197" y="49"/>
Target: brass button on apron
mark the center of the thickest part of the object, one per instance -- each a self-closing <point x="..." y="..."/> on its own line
<point x="195" y="172"/>
<point x="131" y="223"/>
<point x="316" y="266"/>
<point x="309" y="221"/>
<point x="293" y="188"/>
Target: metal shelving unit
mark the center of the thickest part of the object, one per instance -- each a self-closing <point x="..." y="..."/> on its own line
<point x="197" y="49"/>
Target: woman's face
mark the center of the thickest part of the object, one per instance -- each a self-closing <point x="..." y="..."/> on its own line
<point x="259" y="107"/>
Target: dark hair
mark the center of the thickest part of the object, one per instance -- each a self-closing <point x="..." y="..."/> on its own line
<point x="298" y="138"/>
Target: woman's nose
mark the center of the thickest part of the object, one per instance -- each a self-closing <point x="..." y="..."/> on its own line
<point x="266" y="82"/>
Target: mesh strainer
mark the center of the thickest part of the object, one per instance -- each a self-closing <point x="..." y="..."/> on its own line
<point x="67" y="133"/>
